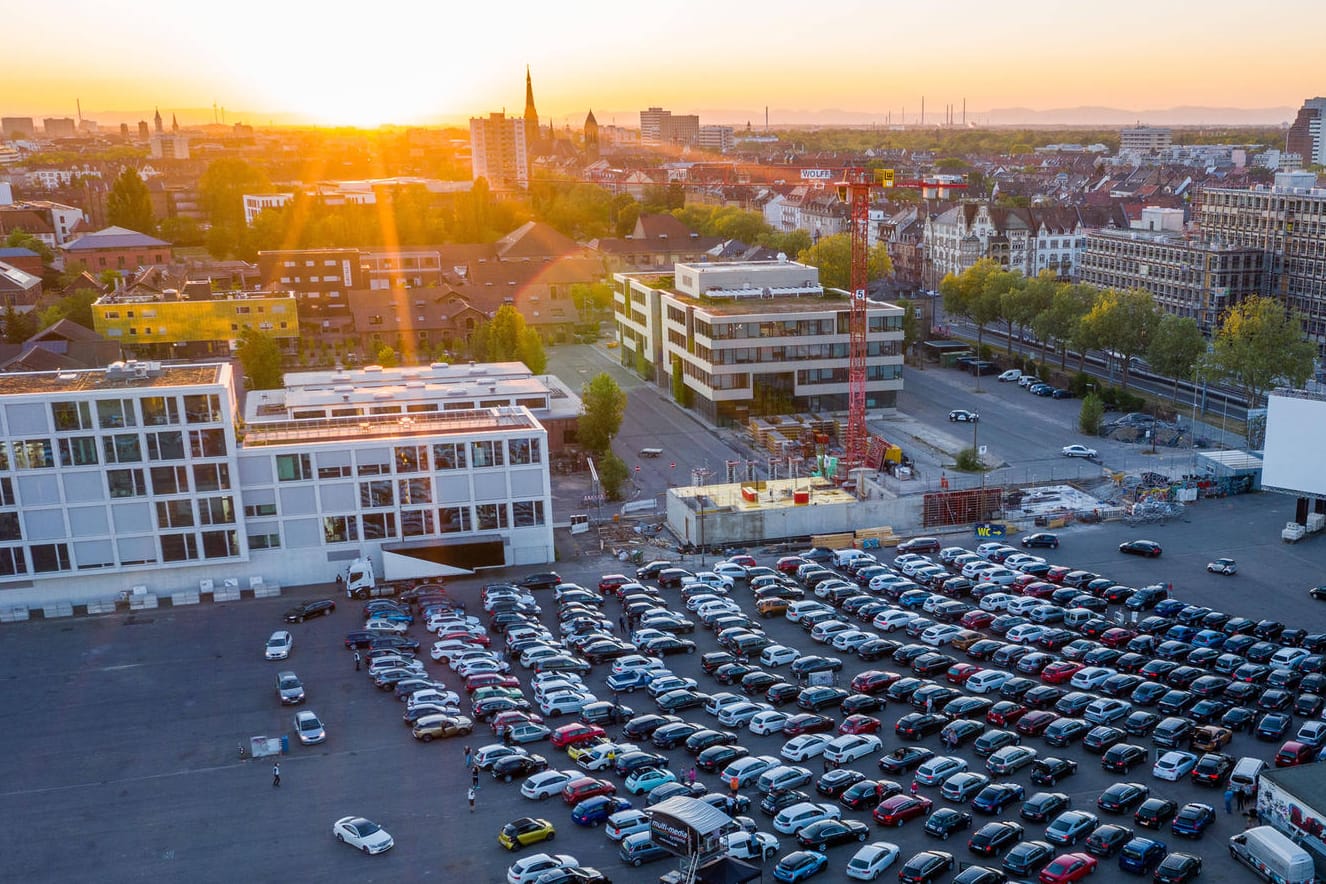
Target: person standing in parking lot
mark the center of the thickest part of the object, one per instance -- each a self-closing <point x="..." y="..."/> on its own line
<point x="470" y="795"/>
<point x="356" y="661"/>
<point x="276" y="775"/>
<point x="469" y="757"/>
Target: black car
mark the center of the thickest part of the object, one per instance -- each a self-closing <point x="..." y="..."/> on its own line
<point x="804" y="666"/>
<point x="835" y="782"/>
<point x="541" y="580"/>
<point x="677" y="701"/>
<point x="1155" y="812"/>
<point x="1050" y="770"/>
<point x="1044" y="806"/>
<point x="782" y="693"/>
<point x="1122" y="797"/>
<point x="717" y="757"/>
<point x="945" y="821"/>
<point x="926" y="866"/>
<point x="1026" y="857"/>
<point x="1141" y="723"/>
<point x="1043" y="538"/>
<point x="359" y="640"/>
<point x="700" y="740"/>
<point x="1107" y="840"/>
<point x="642" y="726"/>
<point x="711" y="661"/>
<point x="904" y="758"/>
<point x="1148" y="548"/>
<point x="828" y="833"/>
<point x="1101" y="738"/>
<point x="509" y="767"/>
<point x="318" y="608"/>
<point x="778" y="799"/>
<point x="916" y="725"/>
<point x="1178" y="868"/>
<point x="1121" y="757"/>
<point x="991" y="838"/>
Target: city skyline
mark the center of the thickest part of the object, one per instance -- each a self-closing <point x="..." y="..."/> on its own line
<point x="296" y="62"/>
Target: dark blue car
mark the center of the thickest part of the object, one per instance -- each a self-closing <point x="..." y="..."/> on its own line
<point x="1141" y="855"/>
<point x="594" y="810"/>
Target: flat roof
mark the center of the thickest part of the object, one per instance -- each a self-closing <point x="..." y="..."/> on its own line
<point x="388" y="426"/>
<point x="772" y="494"/>
<point x="1306" y="781"/>
<point x="828" y="302"/>
<point x="92" y="380"/>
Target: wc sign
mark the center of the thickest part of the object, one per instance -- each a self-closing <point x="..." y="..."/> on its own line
<point x="989" y="529"/>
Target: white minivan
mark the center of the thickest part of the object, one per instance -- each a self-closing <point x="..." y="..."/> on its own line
<point x="1012" y="374"/>
<point x="987" y="680"/>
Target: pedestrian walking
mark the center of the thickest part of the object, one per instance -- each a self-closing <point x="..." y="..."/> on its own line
<point x="735" y="784"/>
<point x="690" y="775"/>
<point x="621" y="621"/>
<point x="1229" y="801"/>
<point x="357" y="661"/>
<point x="915" y="788"/>
<point x="276" y="774"/>
<point x="474" y="777"/>
<point x="470" y="795"/>
<point x="469" y="757"/>
<point x="1241" y="799"/>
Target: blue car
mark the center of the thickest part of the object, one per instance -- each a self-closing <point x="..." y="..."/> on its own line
<point x="1169" y="607"/>
<point x="997" y="796"/>
<point x="596" y="809"/>
<point x="1141" y="855"/>
<point x="1192" y="820"/>
<point x="800" y="865"/>
<point x="1209" y="638"/>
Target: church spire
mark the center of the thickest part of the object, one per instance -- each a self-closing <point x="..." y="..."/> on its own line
<point x="157" y="121"/>
<point x="532" y="136"/>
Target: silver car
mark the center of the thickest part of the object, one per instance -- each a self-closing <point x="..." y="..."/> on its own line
<point x="309" y="728"/>
<point x="289" y="688"/>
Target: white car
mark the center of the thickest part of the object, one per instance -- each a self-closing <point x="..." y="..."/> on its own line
<point x="730" y="569"/>
<point x="739" y="714"/>
<point x="634" y="662"/>
<point x="989" y="549"/>
<point x="778" y="655"/>
<point x="456" y="662"/>
<point x="554" y="685"/>
<point x="432" y="697"/>
<point x="804" y="746"/>
<point x="542" y="680"/>
<point x="1092" y="677"/>
<point x="1000" y="575"/>
<point x="722" y="700"/>
<point x="717" y="608"/>
<point x="645" y="633"/>
<point x="1021" y="560"/>
<point x="996" y="602"/>
<point x="935" y="770"/>
<point x="363" y="834"/>
<point x="888" y="621"/>
<point x="972" y="570"/>
<point x="852" y="639"/>
<point x="657" y="687"/>
<point x="547" y="783"/>
<point x="484" y="758"/>
<point x="1024" y="605"/>
<point x="750" y="845"/>
<point x="872" y="860"/>
<point x="626" y="822"/>
<point x="565" y="703"/>
<point x="914" y="563"/>
<point x="795" y="818"/>
<point x="825" y="632"/>
<point x="308" y="728"/>
<point x="449" y="647"/>
<point x="1173" y="766"/>
<point x="768" y="722"/>
<point x="851" y="747"/>
<point x="279" y="645"/>
<point x="1025" y="633"/>
<point x="1077" y="451"/>
<point x="940" y="634"/>
<point x="482" y="667"/>
<point x="529" y="869"/>
<point x="881" y="582"/>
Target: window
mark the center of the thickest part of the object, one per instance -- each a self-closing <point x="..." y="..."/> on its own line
<point x="415" y="491"/>
<point x="115" y="413"/>
<point x="378" y="526"/>
<point x="80" y="451"/>
<point x="10" y="529"/>
<point x="209" y="443"/>
<point x="203" y="409"/>
<point x="12" y="561"/>
<point x="451" y="519"/>
<point x="126" y="483"/>
<point x="333" y="472"/>
<point x="216" y="511"/>
<point x="524" y="451"/>
<point x="526" y="513"/>
<point x="170" y="480"/>
<point x="33" y="454"/>
<point x="486" y="454"/>
<point x="411" y="458"/>
<point x="6" y="491"/>
<point x="220" y="544"/>
<point x="174" y="514"/>
<point x="260" y="509"/>
<point x="178" y="547"/>
<point x="160" y="410"/>
<point x="374" y="463"/>
<point x="71" y="416"/>
<point x="48" y="557"/>
<point x="376" y="493"/>
<point x="122" y="448"/>
<point x="293" y="467"/>
<point x="490" y="516"/>
<point x="340" y="529"/>
<point x="449" y="456"/>
<point x="4" y="455"/>
<point x="211" y="477"/>
<point x="265" y="541"/>
<point x="416" y="522"/>
<point x="168" y="445"/>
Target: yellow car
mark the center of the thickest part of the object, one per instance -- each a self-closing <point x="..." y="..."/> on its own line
<point x="580" y="750"/>
<point x="525" y="831"/>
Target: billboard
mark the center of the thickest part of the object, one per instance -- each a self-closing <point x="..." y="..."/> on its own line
<point x="1295" y="429"/>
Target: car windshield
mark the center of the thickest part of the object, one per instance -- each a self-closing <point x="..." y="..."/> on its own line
<point x="275" y="642"/>
<point x="366" y="828"/>
<point x="309" y="724"/>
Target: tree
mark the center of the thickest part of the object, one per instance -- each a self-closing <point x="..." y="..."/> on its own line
<point x="1023" y="303"/>
<point x="261" y="358"/>
<point x="19" y="238"/>
<point x="1123" y="322"/>
<point x="794" y="242"/>
<point x="1176" y="346"/>
<point x="75" y="306"/>
<point x="989" y="304"/>
<point x="1260" y="343"/>
<point x="1059" y="323"/>
<point x="1088" y="419"/>
<point x="962" y="291"/>
<point x="833" y="256"/>
<point x="181" y="231"/>
<point x="531" y="351"/>
<point x="222" y="187"/>
<point x="19" y="326"/>
<point x="129" y="205"/>
<point x="506" y="338"/>
<point x="912" y="332"/>
<point x="612" y="475"/>
<point x="602" y="405"/>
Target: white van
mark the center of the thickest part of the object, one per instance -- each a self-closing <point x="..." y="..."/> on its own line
<point x="1075" y="617"/>
<point x="799" y="609"/>
<point x="359" y="580"/>
<point x="987" y="680"/>
<point x="847" y="556"/>
<point x="1246" y="773"/>
<point x="1273" y="856"/>
<point x="1012" y="374"/>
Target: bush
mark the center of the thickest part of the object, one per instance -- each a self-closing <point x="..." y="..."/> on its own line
<point x="968" y="461"/>
<point x="985" y="352"/>
<point x="1130" y="401"/>
<point x="1088" y="419"/>
<point x="1080" y="383"/>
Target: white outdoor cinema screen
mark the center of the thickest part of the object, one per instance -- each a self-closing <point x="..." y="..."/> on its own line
<point x="1294" y="457"/>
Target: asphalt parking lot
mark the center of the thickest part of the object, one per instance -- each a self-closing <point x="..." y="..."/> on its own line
<point x="121" y="732"/>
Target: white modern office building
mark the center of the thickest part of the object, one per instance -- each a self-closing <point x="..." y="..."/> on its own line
<point x="145" y="475"/>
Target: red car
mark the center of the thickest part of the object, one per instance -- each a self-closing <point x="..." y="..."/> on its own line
<point x="571" y="734"/>
<point x="976" y="620"/>
<point x="873" y="681"/>
<point x="1067" y="868"/>
<point x="468" y="637"/>
<point x="1116" y="637"/>
<point x="807" y="723"/>
<point x="1060" y="671"/>
<point x="1057" y="573"/>
<point x="789" y="564"/>
<point x="1294" y="753"/>
<point x="610" y="582"/>
<point x="1039" y="590"/>
<point x="504" y="720"/>
<point x="1033" y="724"/>
<point x="900" y="808"/>
<point x="490" y="680"/>
<point x="1021" y="582"/>
<point x="743" y="561"/>
<point x="1005" y="713"/>
<point x="958" y="673"/>
<point x="586" y="787"/>
<point x="859" y="724"/>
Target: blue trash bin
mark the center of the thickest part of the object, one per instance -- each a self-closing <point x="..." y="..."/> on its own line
<point x="285" y="744"/>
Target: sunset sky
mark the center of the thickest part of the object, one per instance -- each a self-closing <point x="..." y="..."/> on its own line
<point x="408" y="62"/>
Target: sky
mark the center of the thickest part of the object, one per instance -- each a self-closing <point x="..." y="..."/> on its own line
<point x="403" y="61"/>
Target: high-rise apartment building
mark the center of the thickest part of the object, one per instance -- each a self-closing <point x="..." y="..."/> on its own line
<point x="659" y="126"/>
<point x="498" y="151"/>
<point x="1305" y="136"/>
<point x="59" y="127"/>
<point x="1145" y="139"/>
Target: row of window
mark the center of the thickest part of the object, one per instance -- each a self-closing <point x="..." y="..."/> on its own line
<point x="168" y="480"/>
<point x="418" y="523"/>
<point x="534" y="403"/>
<point x="91" y="555"/>
<point x="415" y="459"/>
<point x="109" y="414"/>
<point x="765" y="355"/>
<point x="83" y="451"/>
